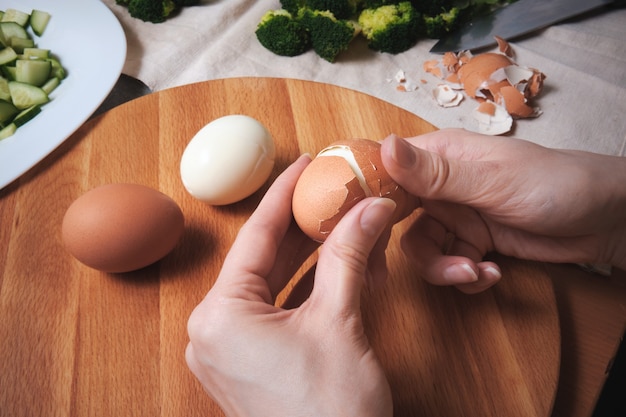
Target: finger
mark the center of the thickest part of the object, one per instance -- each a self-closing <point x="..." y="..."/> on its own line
<point x="377" y="271"/>
<point x="467" y="225"/>
<point x="376" y="274"/>
<point x="424" y="244"/>
<point x="344" y="257"/>
<point x="433" y="176"/>
<point x="454" y="144"/>
<point x="489" y="274"/>
<point x="254" y="251"/>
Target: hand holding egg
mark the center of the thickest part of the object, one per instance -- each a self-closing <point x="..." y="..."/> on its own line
<point x="338" y="178"/>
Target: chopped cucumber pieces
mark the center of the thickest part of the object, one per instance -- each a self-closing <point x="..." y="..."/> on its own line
<point x="7" y="111"/>
<point x="26" y="114"/>
<point x="32" y="71"/>
<point x="25" y="95"/>
<point x="38" y="21"/>
<point x="17" y="16"/>
<point x="28" y="74"/>
<point x="7" y="131"/>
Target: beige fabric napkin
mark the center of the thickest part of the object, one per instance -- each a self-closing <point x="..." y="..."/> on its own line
<point x="583" y="102"/>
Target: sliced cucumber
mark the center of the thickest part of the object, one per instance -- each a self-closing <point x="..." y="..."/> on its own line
<point x="26" y="115"/>
<point x="7" y="55"/>
<point x="7" y="111"/>
<point x="13" y="30"/>
<point x="32" y="71"/>
<point x="17" y="16"/>
<point x="19" y="44"/>
<point x="36" y="53"/>
<point x="5" y="94"/>
<point x="57" y="69"/>
<point x="8" y="130"/>
<point x="28" y="74"/>
<point x="38" y="21"/>
<point x="8" y="72"/>
<point x="50" y="85"/>
<point x="26" y="95"/>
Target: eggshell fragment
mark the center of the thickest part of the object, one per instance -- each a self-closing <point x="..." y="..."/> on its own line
<point x="476" y="74"/>
<point x="492" y="118"/>
<point x="493" y="78"/>
<point x="446" y="96"/>
<point x="227" y="160"/>
<point x="338" y="178"/>
<point x="121" y="227"/>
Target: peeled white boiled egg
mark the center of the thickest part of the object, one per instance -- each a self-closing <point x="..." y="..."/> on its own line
<point x="227" y="160"/>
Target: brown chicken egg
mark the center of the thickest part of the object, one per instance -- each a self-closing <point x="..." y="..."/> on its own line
<point x="121" y="227"/>
<point x="338" y="178"/>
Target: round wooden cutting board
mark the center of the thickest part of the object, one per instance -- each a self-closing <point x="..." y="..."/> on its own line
<point x="74" y="341"/>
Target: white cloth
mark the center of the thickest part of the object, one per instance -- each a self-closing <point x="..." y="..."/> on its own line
<point x="583" y="101"/>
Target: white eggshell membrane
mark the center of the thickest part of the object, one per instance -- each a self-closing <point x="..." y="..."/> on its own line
<point x="227" y="160"/>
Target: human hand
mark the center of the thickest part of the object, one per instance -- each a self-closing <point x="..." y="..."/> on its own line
<point x="510" y="196"/>
<point x="257" y="359"/>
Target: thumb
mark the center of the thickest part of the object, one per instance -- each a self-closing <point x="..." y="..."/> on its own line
<point x="345" y="255"/>
<point x="430" y="175"/>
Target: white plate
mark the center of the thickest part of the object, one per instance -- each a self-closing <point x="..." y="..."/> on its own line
<point x="90" y="43"/>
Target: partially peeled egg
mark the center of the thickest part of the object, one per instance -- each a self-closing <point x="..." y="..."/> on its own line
<point x="340" y="176"/>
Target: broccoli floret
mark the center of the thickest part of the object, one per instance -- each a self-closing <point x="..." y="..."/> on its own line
<point x="391" y="28"/>
<point x="292" y="6"/>
<point x="436" y="26"/>
<point x="341" y="9"/>
<point x="155" y="11"/>
<point x="329" y="35"/>
<point x="282" y="34"/>
<point x="373" y="4"/>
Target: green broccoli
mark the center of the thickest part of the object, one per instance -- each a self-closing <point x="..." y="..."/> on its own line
<point x="373" y="4"/>
<point x="292" y="6"/>
<point x="155" y="11"/>
<point x="442" y="23"/>
<point x="282" y="34"/>
<point x="341" y="9"/>
<point x="391" y="28"/>
<point x="329" y="35"/>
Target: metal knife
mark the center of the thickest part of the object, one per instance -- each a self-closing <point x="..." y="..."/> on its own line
<point x="510" y="21"/>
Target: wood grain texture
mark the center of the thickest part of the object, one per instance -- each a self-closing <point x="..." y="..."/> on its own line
<point x="78" y="342"/>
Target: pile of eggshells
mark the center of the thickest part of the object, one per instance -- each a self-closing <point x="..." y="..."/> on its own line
<point x="502" y="87"/>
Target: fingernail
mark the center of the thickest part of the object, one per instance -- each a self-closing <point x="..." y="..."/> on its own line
<point x="402" y="153"/>
<point x="460" y="274"/>
<point x="376" y="216"/>
<point x="494" y="272"/>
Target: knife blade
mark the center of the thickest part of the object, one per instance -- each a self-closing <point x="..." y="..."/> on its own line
<point x="513" y="20"/>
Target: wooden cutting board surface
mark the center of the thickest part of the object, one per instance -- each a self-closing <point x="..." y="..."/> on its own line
<point x="78" y="342"/>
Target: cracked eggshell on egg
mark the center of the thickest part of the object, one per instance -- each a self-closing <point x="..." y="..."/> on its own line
<point x="227" y="160"/>
<point x="338" y="178"/>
